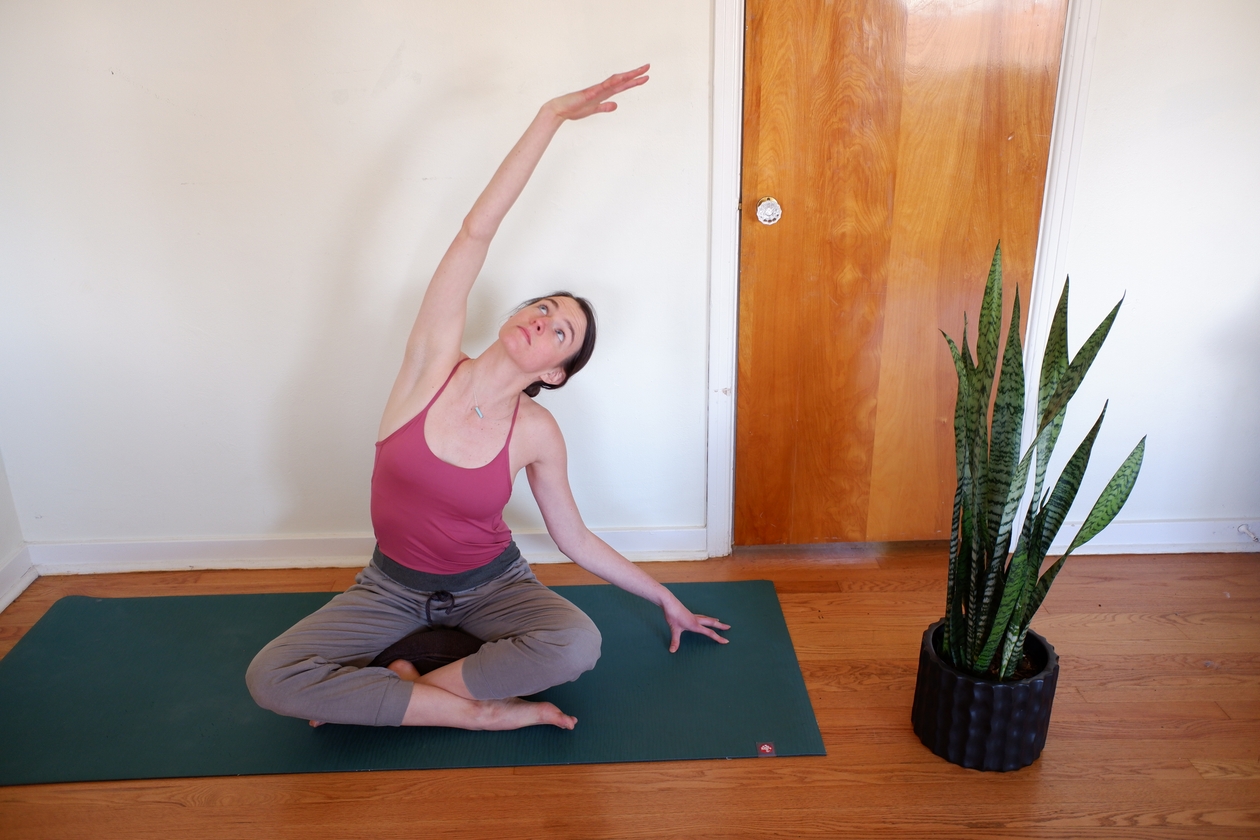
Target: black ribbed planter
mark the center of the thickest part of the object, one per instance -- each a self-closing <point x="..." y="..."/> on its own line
<point x="979" y="723"/>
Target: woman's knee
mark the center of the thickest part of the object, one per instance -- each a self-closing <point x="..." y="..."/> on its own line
<point x="574" y="650"/>
<point x="258" y="679"/>
<point x="265" y="680"/>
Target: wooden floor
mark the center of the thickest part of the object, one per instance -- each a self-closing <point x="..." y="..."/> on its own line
<point x="1155" y="731"/>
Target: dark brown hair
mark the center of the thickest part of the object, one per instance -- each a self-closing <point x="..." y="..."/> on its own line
<point x="581" y="356"/>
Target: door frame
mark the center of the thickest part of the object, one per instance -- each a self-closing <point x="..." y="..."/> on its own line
<point x="1067" y="132"/>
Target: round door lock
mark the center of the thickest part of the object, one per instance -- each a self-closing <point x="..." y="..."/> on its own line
<point x="769" y="211"/>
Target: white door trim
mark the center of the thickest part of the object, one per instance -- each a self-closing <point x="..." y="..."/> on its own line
<point x="727" y="127"/>
<point x="1066" y="136"/>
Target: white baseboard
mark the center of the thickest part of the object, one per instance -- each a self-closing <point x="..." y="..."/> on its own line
<point x="635" y="544"/>
<point x="1165" y="537"/>
<point x="87" y="558"/>
<point x="317" y="552"/>
<point x="1191" y="536"/>
<point x="16" y="574"/>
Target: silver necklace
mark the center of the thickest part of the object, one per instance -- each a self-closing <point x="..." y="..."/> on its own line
<point x="477" y="402"/>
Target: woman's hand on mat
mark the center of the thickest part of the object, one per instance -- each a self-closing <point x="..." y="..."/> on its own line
<point x="681" y="619"/>
<point x="594" y="99"/>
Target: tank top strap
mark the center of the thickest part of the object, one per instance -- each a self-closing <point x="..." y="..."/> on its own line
<point x="512" y="427"/>
<point x="449" y="377"/>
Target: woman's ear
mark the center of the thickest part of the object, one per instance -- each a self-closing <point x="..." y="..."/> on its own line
<point x="554" y="376"/>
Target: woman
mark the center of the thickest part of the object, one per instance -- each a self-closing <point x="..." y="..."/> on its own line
<point x="455" y="433"/>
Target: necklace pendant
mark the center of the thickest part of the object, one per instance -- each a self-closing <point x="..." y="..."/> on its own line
<point x="479" y="414"/>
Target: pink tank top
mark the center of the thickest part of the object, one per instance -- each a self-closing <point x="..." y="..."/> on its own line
<point x="433" y="516"/>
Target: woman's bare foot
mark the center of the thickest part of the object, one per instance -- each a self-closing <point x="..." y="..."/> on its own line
<point x="515" y="713"/>
<point x="499" y="715"/>
<point x="404" y="669"/>
<point x="442" y="698"/>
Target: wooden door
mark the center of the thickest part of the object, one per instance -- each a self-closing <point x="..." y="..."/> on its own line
<point x="902" y="140"/>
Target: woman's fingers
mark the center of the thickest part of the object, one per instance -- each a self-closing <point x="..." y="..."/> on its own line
<point x="704" y="625"/>
<point x="701" y="624"/>
<point x="712" y="622"/>
<point x="592" y="100"/>
<point x="624" y="81"/>
<point x="618" y="82"/>
<point x="712" y="635"/>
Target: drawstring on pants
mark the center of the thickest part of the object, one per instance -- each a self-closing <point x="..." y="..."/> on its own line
<point x="445" y="601"/>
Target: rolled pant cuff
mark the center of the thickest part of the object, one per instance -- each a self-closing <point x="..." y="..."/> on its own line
<point x="394" y="704"/>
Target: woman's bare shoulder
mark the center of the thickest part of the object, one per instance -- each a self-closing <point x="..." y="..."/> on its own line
<point x="533" y="419"/>
<point x="537" y="435"/>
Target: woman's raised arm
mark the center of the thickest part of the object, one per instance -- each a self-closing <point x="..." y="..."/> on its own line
<point x="439" y="328"/>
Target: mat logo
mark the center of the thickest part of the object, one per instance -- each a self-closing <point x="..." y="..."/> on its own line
<point x="765" y="748"/>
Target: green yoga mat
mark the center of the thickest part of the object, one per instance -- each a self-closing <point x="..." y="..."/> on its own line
<point x="131" y="688"/>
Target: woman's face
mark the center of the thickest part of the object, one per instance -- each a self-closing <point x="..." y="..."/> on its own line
<point x="544" y="334"/>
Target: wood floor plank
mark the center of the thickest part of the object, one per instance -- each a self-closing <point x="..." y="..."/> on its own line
<point x="1155" y="732"/>
<point x="1247" y="708"/>
<point x="1219" y="694"/>
<point x="1227" y="770"/>
<point x="1152" y="712"/>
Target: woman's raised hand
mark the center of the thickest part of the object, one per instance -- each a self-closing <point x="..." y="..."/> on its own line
<point x="594" y="99"/>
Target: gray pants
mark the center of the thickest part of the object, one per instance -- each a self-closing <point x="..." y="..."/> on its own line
<point x="317" y="669"/>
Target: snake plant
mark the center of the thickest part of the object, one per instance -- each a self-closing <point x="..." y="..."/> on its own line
<point x="992" y="592"/>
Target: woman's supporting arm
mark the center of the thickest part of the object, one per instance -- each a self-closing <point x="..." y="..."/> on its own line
<point x="549" y="481"/>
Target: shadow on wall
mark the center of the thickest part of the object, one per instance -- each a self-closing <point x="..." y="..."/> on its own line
<point x="1237" y="345"/>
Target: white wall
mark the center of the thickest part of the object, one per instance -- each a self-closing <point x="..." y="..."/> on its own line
<point x="217" y="221"/>
<point x="1166" y="212"/>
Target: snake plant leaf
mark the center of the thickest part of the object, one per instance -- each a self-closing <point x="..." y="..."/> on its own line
<point x="1077" y="368"/>
<point x="1017" y="649"/>
<point x="989" y="327"/>
<point x="1006" y="608"/>
<point x="978" y="468"/>
<point x="1016" y="493"/>
<point x="1043" y="584"/>
<point x="1008" y="421"/>
<point x="1045" y="444"/>
<point x="974" y="562"/>
<point x="1016" y="583"/>
<point x="963" y="433"/>
<point x="957" y="650"/>
<point x="960" y="404"/>
<point x="1113" y="497"/>
<point x="957" y="566"/>
<point x="953" y="597"/>
<point x="1065" y="489"/>
<point x="1033" y="542"/>
<point x="979" y="568"/>
<point x="1055" y="361"/>
<point x="971" y="447"/>
<point x="1054" y="364"/>
<point x="976" y="430"/>
<point x="1016" y="628"/>
<point x="995" y="623"/>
